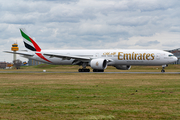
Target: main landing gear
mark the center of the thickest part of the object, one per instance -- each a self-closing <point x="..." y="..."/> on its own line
<point x="88" y="70"/>
<point x="84" y="69"/>
<point x="163" y="67"/>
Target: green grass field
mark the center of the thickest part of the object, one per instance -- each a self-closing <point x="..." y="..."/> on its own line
<point x="83" y="96"/>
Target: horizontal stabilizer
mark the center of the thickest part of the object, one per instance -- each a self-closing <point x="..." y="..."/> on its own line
<point x="20" y="53"/>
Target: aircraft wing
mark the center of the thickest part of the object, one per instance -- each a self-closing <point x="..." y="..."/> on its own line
<point x="79" y="58"/>
<point x="20" y="53"/>
<point x="67" y="56"/>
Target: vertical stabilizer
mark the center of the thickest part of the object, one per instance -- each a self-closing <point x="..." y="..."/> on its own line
<point x="29" y="42"/>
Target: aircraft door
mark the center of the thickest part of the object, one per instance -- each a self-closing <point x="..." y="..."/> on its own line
<point x="158" y="55"/>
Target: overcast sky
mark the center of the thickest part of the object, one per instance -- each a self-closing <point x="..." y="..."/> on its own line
<point x="89" y="24"/>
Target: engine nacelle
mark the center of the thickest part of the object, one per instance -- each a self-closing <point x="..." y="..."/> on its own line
<point x="123" y="67"/>
<point x="99" y="64"/>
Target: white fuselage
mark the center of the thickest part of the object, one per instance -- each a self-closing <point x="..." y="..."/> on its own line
<point x="117" y="56"/>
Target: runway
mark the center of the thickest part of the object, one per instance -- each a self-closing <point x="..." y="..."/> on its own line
<point x="92" y="72"/>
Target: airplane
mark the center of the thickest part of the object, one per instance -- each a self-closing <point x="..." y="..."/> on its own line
<point x="98" y="60"/>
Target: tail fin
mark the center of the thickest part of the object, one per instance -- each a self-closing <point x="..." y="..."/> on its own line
<point x="29" y="42"/>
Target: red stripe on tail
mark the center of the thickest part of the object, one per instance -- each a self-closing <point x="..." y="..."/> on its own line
<point x="38" y="49"/>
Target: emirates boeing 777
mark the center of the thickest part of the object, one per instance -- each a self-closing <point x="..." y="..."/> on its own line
<point x="98" y="60"/>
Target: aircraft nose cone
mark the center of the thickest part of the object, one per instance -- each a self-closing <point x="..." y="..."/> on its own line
<point x="175" y="58"/>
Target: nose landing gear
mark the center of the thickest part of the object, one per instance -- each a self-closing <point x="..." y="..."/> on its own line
<point x="163" y="67"/>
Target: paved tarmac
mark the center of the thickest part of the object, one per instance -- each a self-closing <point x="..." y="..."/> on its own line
<point x="93" y="72"/>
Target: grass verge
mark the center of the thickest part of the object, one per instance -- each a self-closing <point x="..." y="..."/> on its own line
<point x="85" y="96"/>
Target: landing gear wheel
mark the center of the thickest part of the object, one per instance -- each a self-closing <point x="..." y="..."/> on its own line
<point x="95" y="70"/>
<point x="80" y="70"/>
<point x="84" y="70"/>
<point x="87" y="70"/>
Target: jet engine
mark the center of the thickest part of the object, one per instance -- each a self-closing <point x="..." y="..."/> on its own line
<point x="123" y="67"/>
<point x="98" y="64"/>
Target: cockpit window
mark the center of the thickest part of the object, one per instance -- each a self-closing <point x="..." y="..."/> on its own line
<point x="171" y="55"/>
